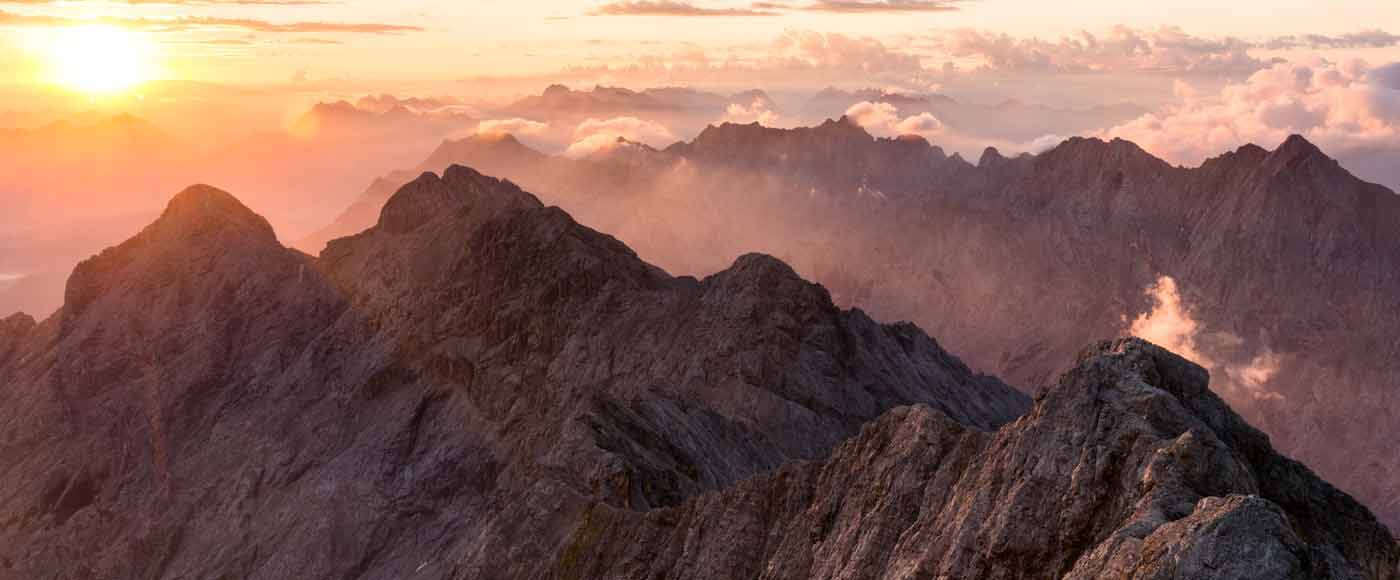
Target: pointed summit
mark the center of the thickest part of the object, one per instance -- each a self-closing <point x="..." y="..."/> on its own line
<point x="1298" y="159"/>
<point x="201" y="208"/>
<point x="460" y="189"/>
<point x="990" y="156"/>
<point x="844" y="125"/>
<point x="1297" y="146"/>
<point x="203" y="230"/>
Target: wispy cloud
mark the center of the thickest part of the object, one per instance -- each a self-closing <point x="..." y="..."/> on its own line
<point x="869" y="6"/>
<point x="681" y="8"/>
<point x="687" y="8"/>
<point x="186" y="23"/>
<point x="1374" y="38"/>
<point x="179" y="2"/>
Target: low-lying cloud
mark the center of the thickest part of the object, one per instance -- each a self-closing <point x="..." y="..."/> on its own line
<point x="595" y="135"/>
<point x="1172" y="325"/>
<point x="1341" y="107"/>
<point x="516" y="126"/>
<point x="757" y="111"/>
<point x="882" y="119"/>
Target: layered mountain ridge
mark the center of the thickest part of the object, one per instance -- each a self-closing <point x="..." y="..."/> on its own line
<point x="441" y="395"/>
<point x="1283" y="264"/>
<point x="479" y="387"/>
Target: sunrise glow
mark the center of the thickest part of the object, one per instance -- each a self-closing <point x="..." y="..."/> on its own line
<point x="99" y="59"/>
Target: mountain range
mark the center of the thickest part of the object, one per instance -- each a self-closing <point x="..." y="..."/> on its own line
<point x="1275" y="269"/>
<point x="477" y="386"/>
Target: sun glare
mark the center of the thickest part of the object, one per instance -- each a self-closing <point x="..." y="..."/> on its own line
<point x="100" y="59"/>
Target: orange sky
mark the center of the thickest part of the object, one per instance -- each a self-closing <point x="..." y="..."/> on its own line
<point x="435" y="43"/>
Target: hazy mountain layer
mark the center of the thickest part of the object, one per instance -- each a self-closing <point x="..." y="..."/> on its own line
<point x="1282" y="266"/>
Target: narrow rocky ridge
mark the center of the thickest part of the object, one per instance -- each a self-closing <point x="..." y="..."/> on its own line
<point x="1130" y="467"/>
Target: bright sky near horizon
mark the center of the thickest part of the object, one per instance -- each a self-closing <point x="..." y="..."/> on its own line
<point x="237" y="41"/>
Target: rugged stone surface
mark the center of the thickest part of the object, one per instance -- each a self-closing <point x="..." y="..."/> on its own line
<point x="1128" y="468"/>
<point x="1280" y="256"/>
<point x="441" y="396"/>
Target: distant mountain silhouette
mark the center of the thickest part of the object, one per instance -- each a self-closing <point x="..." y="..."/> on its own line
<point x="1009" y="120"/>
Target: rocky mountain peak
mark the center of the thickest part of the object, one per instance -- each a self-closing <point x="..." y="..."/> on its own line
<point x="1094" y="147"/>
<point x="201" y="209"/>
<point x="989" y="157"/>
<point x="459" y="189"/>
<point x="481" y="146"/>
<point x="201" y="226"/>
<point x="844" y="126"/>
<point x="1296" y="146"/>
<point x="1297" y="159"/>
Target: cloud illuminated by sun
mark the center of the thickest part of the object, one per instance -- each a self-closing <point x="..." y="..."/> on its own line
<point x="99" y="59"/>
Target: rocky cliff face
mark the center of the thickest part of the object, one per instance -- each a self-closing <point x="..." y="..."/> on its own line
<point x="444" y="395"/>
<point x="1130" y="467"/>
<point x="1279" y="257"/>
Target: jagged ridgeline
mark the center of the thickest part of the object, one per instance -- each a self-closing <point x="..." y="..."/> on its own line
<point x="479" y="387"/>
<point x="1287" y="266"/>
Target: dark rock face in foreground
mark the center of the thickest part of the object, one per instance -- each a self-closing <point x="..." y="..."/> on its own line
<point x="446" y="395"/>
<point x="1128" y="468"/>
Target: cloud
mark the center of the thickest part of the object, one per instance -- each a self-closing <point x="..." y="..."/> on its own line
<point x="1374" y="38"/>
<point x="793" y="59"/>
<point x="1387" y="76"/>
<point x="593" y="135"/>
<point x="1172" y="325"/>
<point x="920" y="124"/>
<point x="685" y="8"/>
<point x="190" y="2"/>
<point x="517" y="126"/>
<point x="883" y="119"/>
<point x="1342" y="108"/>
<point x="1120" y="49"/>
<point x="1043" y="143"/>
<point x="679" y="8"/>
<point x="383" y="103"/>
<point x="1254" y="377"/>
<point x="868" y="6"/>
<point x="756" y="112"/>
<point x="186" y="23"/>
<point x="840" y="52"/>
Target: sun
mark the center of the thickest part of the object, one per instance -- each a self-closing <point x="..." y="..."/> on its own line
<point x="100" y="59"/>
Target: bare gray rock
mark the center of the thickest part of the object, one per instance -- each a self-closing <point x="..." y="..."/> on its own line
<point x="1128" y="468"/>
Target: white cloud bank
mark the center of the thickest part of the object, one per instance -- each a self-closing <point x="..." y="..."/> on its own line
<point x="1340" y="107"/>
<point x="595" y="135"/>
<point x="882" y="119"/>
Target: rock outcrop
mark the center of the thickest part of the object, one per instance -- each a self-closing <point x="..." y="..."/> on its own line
<point x="1130" y="467"/>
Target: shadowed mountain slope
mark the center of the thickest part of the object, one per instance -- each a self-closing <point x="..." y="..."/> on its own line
<point x="443" y="395"/>
<point x="1285" y="268"/>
